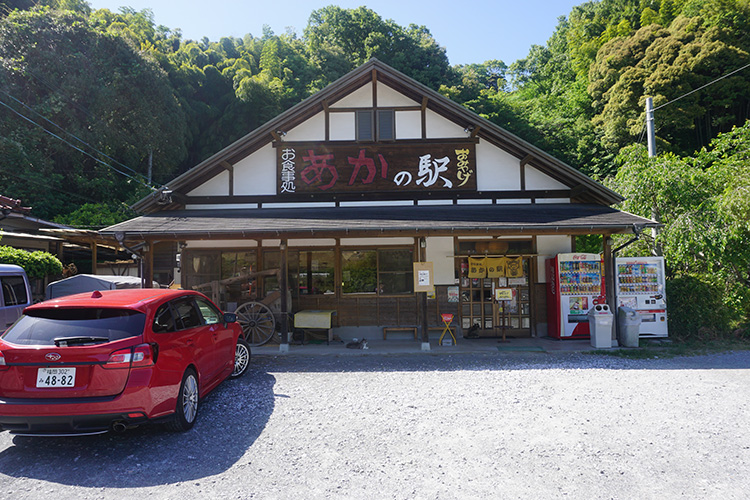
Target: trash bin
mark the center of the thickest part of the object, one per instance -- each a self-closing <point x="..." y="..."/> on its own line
<point x="601" y="321"/>
<point x="629" y="322"/>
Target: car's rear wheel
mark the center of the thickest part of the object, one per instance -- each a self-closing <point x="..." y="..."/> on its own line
<point x="187" y="403"/>
<point x="241" y="358"/>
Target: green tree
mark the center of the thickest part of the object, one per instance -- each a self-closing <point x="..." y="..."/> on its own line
<point x="702" y="202"/>
<point x="341" y="39"/>
<point x="94" y="91"/>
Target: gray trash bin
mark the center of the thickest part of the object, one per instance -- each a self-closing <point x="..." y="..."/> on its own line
<point x="629" y="322"/>
<point x="601" y="321"/>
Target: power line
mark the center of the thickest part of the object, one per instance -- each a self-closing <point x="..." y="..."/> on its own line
<point x="75" y="147"/>
<point x="72" y="135"/>
<point x="702" y="87"/>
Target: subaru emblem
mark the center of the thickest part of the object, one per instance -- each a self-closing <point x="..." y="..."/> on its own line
<point x="53" y="356"/>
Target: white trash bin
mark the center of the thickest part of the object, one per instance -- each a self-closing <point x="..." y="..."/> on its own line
<point x="601" y="321"/>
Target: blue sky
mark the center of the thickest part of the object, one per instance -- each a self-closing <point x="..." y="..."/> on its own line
<point x="471" y="32"/>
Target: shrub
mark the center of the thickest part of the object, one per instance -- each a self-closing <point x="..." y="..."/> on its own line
<point x="701" y="308"/>
<point x="36" y="264"/>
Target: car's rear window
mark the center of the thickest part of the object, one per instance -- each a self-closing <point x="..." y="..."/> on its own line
<point x="42" y="326"/>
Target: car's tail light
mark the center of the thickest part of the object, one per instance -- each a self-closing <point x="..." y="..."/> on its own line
<point x="140" y="355"/>
<point x="3" y="366"/>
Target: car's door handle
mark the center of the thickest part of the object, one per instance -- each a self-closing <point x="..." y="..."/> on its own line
<point x="189" y="341"/>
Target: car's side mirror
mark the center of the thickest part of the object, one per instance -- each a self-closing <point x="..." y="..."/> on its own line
<point x="230" y="318"/>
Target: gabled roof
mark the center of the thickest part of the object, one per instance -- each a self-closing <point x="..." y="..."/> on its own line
<point x="586" y="189"/>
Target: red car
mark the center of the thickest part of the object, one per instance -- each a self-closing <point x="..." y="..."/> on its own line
<point x="112" y="360"/>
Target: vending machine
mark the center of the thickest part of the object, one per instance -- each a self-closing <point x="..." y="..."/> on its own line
<point x="639" y="284"/>
<point x="574" y="285"/>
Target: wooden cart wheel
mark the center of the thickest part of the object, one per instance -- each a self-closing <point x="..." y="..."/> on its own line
<point x="257" y="322"/>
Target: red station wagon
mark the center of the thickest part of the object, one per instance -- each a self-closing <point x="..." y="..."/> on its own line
<point x="112" y="360"/>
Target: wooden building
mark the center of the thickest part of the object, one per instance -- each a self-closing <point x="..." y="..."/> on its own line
<point x="349" y="188"/>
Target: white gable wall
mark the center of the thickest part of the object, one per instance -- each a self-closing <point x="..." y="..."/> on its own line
<point x="343" y="126"/>
<point x="215" y="186"/>
<point x="387" y="97"/>
<point x="256" y="174"/>
<point x="408" y="125"/>
<point x="497" y="170"/>
<point x="360" y="98"/>
<point x="313" y="129"/>
<point x="442" y="128"/>
<point x="539" y="180"/>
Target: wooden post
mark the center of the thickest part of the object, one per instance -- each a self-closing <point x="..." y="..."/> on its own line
<point x="425" y="333"/>
<point x="283" y="286"/>
<point x="609" y="278"/>
<point x="425" y="326"/>
<point x="93" y="257"/>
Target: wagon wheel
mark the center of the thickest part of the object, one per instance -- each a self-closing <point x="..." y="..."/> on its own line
<point x="257" y="322"/>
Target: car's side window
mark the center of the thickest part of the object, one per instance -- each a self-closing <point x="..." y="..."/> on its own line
<point x="14" y="290"/>
<point x="187" y="314"/>
<point x="164" y="320"/>
<point x="210" y="314"/>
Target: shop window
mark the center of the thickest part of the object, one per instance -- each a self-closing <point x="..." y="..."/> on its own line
<point x="200" y="268"/>
<point x="315" y="272"/>
<point x="271" y="260"/>
<point x="237" y="263"/>
<point x="367" y="125"/>
<point x="359" y="271"/>
<point x="204" y="266"/>
<point x="382" y="272"/>
<point x="396" y="271"/>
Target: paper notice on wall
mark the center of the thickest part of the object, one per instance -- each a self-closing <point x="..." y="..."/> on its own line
<point x="423" y="277"/>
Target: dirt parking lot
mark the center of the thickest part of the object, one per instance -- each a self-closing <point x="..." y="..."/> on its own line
<point x="520" y="425"/>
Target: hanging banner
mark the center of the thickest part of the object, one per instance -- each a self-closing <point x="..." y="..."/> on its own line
<point x="514" y="267"/>
<point x="495" y="267"/>
<point x="477" y="267"/>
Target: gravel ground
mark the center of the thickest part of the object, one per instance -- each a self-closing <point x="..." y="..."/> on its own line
<point x="524" y="425"/>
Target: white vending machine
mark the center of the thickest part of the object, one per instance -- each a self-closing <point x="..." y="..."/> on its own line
<point x="640" y="285"/>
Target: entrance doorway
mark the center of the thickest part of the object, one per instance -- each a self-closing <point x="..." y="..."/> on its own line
<point x="481" y="311"/>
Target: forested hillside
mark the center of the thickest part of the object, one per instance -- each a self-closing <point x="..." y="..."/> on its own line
<point x="97" y="106"/>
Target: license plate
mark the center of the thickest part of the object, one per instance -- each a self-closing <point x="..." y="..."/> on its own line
<point x="56" y="377"/>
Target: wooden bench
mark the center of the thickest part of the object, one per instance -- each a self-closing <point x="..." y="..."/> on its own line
<point x="387" y="329"/>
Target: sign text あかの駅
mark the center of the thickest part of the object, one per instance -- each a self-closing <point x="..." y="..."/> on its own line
<point x="309" y="168"/>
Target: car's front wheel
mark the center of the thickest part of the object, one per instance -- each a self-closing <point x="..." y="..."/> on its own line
<point x="187" y="403"/>
<point x="241" y="358"/>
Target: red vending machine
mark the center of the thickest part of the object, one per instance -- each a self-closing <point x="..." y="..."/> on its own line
<point x="575" y="283"/>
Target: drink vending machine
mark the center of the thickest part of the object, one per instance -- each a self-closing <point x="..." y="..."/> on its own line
<point x="574" y="285"/>
<point x="639" y="285"/>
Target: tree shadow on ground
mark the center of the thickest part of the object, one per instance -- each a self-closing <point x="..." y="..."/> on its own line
<point x="230" y="419"/>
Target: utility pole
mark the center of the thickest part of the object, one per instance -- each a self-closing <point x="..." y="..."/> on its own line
<point x="651" y="153"/>
<point x="650" y="127"/>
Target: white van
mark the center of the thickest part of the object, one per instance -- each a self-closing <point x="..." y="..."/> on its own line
<point x="15" y="294"/>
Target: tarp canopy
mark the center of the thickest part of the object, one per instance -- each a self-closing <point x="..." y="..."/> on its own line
<point x="89" y="282"/>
